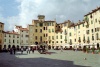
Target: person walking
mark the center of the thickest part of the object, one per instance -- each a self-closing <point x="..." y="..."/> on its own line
<point x="61" y="48"/>
<point x="33" y="49"/>
<point x="22" y="50"/>
<point x="28" y="50"/>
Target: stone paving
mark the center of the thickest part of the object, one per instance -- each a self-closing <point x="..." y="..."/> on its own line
<point x="57" y="58"/>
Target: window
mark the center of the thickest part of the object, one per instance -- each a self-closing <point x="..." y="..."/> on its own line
<point x="17" y="41"/>
<point x="64" y="24"/>
<point x="36" y="37"/>
<point x="17" y="36"/>
<point x="78" y="26"/>
<point x="65" y="31"/>
<point x="9" y="40"/>
<point x="22" y="35"/>
<point x="99" y="21"/>
<point x="53" y="37"/>
<point x="5" y="35"/>
<point x="97" y="36"/>
<point x="13" y="41"/>
<point x="45" y="24"/>
<point x="83" y="24"/>
<point x="95" y="20"/>
<point x="5" y="40"/>
<point x="52" y="24"/>
<point x="52" y="41"/>
<point x="44" y="35"/>
<point x="95" y="29"/>
<point x="1" y="26"/>
<point x="49" y="37"/>
<point x="44" y="28"/>
<point x="69" y="34"/>
<point x="75" y="40"/>
<point x="56" y="41"/>
<point x="92" y="37"/>
<point x="65" y="37"/>
<point x="91" y="16"/>
<point x="26" y="41"/>
<point x="87" y="31"/>
<point x="27" y="35"/>
<point x="41" y="24"/>
<point x="60" y="36"/>
<point x="9" y="35"/>
<point x="52" y="30"/>
<point x="26" y="31"/>
<point x="35" y="30"/>
<point x="92" y="30"/>
<point x="22" y="41"/>
<point x="56" y="37"/>
<point x="49" y="31"/>
<point x="40" y="30"/>
<point x="88" y="39"/>
<point x="13" y="36"/>
<point x="91" y="22"/>
<point x="61" y="41"/>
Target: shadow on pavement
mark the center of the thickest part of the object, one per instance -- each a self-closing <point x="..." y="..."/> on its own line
<point x="20" y="54"/>
<point x="12" y="61"/>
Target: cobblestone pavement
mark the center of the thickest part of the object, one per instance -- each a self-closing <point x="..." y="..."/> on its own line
<point x="55" y="59"/>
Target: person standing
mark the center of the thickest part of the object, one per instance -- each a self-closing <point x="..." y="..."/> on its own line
<point x="10" y="50"/>
<point x="14" y="49"/>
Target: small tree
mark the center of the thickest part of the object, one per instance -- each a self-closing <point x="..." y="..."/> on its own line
<point x="93" y="49"/>
<point x="87" y="49"/>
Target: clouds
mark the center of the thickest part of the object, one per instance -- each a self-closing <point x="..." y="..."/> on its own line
<point x="62" y="10"/>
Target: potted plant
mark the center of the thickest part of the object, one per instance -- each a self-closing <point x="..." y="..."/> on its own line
<point x="93" y="50"/>
<point x="87" y="50"/>
<point x="99" y="50"/>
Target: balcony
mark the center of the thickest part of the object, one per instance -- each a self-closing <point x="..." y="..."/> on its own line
<point x="84" y="40"/>
<point x="87" y="26"/>
<point x="88" y="41"/>
<point x="87" y="32"/>
<point x="79" y="41"/>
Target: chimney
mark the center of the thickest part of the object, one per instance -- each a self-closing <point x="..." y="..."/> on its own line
<point x="13" y="31"/>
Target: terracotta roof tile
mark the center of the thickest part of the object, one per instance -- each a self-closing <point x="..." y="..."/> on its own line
<point x="9" y="32"/>
<point x="24" y="29"/>
<point x="98" y="8"/>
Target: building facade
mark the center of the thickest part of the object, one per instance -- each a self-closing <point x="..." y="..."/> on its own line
<point x="44" y="31"/>
<point x="31" y="34"/>
<point x="69" y="34"/>
<point x="10" y="39"/>
<point x="1" y="34"/>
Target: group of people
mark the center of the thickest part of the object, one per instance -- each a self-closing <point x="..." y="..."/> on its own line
<point x="13" y="50"/>
<point x="27" y="50"/>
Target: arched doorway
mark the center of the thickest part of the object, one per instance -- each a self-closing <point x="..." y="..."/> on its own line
<point x="36" y="43"/>
<point x="9" y="46"/>
<point x="97" y="45"/>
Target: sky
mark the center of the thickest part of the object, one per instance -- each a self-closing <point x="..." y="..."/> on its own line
<point x="22" y="12"/>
